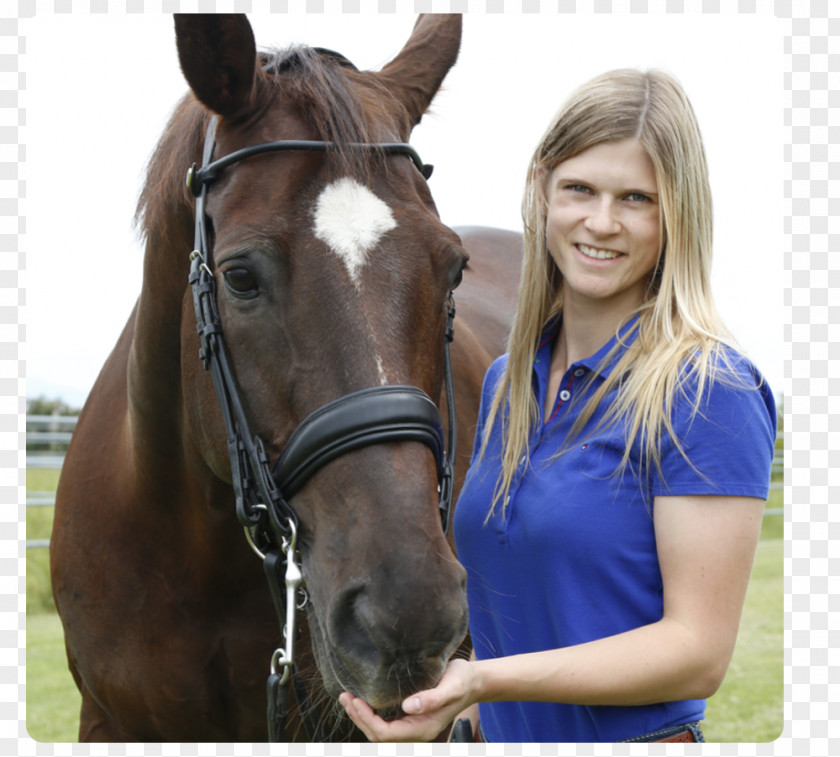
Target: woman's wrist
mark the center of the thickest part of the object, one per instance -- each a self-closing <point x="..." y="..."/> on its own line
<point x="489" y="680"/>
<point x="527" y="677"/>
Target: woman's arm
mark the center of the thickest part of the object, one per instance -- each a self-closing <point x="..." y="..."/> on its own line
<point x="706" y="546"/>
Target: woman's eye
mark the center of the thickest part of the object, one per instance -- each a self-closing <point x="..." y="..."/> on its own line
<point x="240" y="281"/>
<point x="638" y="197"/>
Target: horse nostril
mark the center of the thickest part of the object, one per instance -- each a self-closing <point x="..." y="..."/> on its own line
<point x="372" y="629"/>
<point x="349" y="626"/>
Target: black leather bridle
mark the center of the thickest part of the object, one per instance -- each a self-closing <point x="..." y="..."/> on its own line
<point x="380" y="414"/>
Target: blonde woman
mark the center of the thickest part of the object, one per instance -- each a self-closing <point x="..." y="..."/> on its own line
<point x="611" y="514"/>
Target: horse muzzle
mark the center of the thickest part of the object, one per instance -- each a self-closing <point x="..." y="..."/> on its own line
<point x="385" y="639"/>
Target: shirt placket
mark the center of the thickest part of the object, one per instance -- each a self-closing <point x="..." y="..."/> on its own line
<point x="574" y="373"/>
<point x="565" y="393"/>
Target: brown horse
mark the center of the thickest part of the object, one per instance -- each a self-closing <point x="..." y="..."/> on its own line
<point x="332" y="272"/>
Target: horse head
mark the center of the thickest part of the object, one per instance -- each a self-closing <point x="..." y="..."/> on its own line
<point x="332" y="273"/>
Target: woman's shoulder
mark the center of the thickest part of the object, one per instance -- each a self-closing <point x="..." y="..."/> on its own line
<point x="726" y="381"/>
<point x="723" y="421"/>
<point x="725" y="367"/>
<point x="495" y="372"/>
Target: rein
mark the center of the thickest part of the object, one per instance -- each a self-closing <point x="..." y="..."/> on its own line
<point x="262" y="491"/>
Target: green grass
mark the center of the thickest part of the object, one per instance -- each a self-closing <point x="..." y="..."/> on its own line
<point x="747" y="708"/>
<point x="749" y="704"/>
<point x="52" y="699"/>
<point x="42" y="479"/>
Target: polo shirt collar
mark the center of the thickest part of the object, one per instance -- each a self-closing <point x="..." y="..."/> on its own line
<point x="627" y="334"/>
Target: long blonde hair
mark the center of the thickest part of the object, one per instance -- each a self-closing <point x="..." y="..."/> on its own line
<point x="678" y="324"/>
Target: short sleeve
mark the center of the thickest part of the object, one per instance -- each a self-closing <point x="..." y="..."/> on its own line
<point x="729" y="441"/>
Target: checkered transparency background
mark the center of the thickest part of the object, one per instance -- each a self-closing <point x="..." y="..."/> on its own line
<point x="811" y="245"/>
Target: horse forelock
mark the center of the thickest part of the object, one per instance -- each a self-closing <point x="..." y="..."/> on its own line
<point x="340" y="104"/>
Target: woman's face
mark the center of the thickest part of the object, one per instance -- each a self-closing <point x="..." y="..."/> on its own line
<point x="602" y="225"/>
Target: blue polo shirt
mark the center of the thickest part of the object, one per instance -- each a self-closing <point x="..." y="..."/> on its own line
<point x="574" y="557"/>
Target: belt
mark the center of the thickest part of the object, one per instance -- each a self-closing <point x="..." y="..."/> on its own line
<point x="683" y="736"/>
<point x="463" y="732"/>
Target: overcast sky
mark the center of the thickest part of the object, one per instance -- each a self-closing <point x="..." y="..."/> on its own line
<point x="99" y="89"/>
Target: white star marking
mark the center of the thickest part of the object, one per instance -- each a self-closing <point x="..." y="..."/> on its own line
<point x="350" y="220"/>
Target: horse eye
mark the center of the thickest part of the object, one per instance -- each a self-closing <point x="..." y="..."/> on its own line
<point x="457" y="274"/>
<point x="240" y="281"/>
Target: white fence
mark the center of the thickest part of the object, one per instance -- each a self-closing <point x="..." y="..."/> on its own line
<point x="47" y="437"/>
<point x="53" y="432"/>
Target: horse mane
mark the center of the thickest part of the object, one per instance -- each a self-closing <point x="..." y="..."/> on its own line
<point x="341" y="105"/>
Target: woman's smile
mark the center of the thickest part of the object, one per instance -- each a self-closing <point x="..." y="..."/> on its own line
<point x="596" y="253"/>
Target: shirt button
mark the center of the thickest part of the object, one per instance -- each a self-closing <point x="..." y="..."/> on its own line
<point x="579" y="372"/>
<point x="564" y="395"/>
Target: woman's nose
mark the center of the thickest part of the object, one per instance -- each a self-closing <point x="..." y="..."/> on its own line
<point x="602" y="219"/>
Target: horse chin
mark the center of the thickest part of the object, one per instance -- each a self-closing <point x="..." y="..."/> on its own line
<point x="390" y="713"/>
<point x="384" y="688"/>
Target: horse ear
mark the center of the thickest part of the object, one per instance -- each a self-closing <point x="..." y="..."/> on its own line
<point x="419" y="69"/>
<point x="218" y="56"/>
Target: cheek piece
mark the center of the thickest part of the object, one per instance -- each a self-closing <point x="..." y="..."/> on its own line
<point x="377" y="415"/>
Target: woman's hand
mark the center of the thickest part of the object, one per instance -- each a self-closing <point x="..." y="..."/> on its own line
<point x="427" y="713"/>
